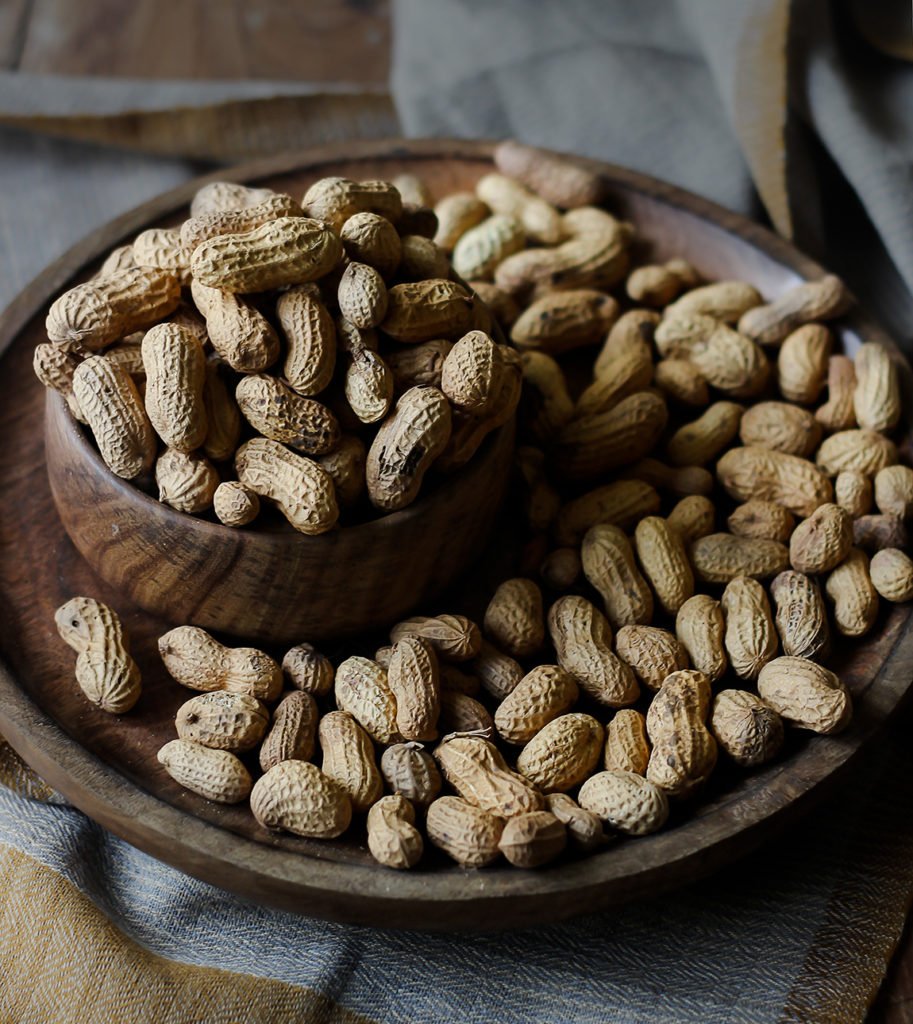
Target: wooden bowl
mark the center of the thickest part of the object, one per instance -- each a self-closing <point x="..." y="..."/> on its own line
<point x="273" y="585"/>
<point x="107" y="766"/>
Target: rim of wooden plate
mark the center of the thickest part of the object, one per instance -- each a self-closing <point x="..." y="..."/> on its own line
<point x="453" y="898"/>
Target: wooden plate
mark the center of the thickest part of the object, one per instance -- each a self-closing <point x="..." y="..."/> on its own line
<point x="107" y="766"/>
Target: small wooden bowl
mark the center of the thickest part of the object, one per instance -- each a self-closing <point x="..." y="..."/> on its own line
<point x="273" y="585"/>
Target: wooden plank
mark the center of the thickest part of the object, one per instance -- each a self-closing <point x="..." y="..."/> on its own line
<point x="335" y="40"/>
<point x="13" y="19"/>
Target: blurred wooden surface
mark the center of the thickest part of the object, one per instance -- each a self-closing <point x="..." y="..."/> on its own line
<point x="313" y="40"/>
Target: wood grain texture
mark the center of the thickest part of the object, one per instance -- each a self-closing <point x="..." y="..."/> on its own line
<point x="330" y="41"/>
<point x="270" y="583"/>
<point x="108" y="767"/>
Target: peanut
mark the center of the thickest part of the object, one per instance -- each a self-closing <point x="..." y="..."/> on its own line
<point x="298" y="797"/>
<point x="853" y="491"/>
<point x="418" y="364"/>
<point x="566" y="320"/>
<point x="873" y="533"/>
<point x="531" y="840"/>
<point x="781" y="427"/>
<point x="514" y="618"/>
<point x="631" y="335"/>
<point x="393" y="839"/>
<point x="696" y="443"/>
<point x="681" y="381"/>
<point x="482" y="248"/>
<point x="801" y="615"/>
<point x="234" y="221"/>
<point x="223" y="417"/>
<point x="584" y="829"/>
<point x="362" y="296"/>
<point x="680" y="482"/>
<point x="757" y="473"/>
<point x="562" y="569"/>
<point x="498" y="672"/>
<point x="197" y="661"/>
<point x="609" y="566"/>
<point x="226" y="195"/>
<point x="466" y="833"/>
<point x="462" y="713"/>
<point x="583" y="641"/>
<point x="406" y="445"/>
<point x="55" y="365"/>
<point x="656" y="285"/>
<point x="287" y="250"/>
<point x="894" y="491"/>
<point x="684" y="751"/>
<point x="625" y="801"/>
<point x="239" y="332"/>
<point x="471" y="374"/>
<point x="164" y="249"/>
<point x="619" y="504"/>
<point x="541" y="695"/>
<point x="855" y="600"/>
<point x="751" y="639"/>
<point x="747" y="728"/>
<point x="862" y="450"/>
<point x="721" y="557"/>
<point x="477" y="771"/>
<point x="292" y="735"/>
<point x="891" y="572"/>
<point x="700" y="629"/>
<point x="346" y="468"/>
<point x="223" y="721"/>
<point x="421" y="258"/>
<point x="186" y="481"/>
<point x="280" y="414"/>
<point x="214" y="774"/>
<point x="557" y="179"/>
<point x="335" y="200"/>
<point x="802" y="364"/>
<point x="175" y="367"/>
<point x="839" y="411"/>
<point x="624" y="374"/>
<point x="662" y="556"/>
<point x="456" y="214"/>
<point x="414" y="680"/>
<point x="234" y="504"/>
<point x="361" y="688"/>
<point x="105" y="672"/>
<point x="563" y="753"/>
<point x="724" y="300"/>
<point x="652" y="653"/>
<point x="822" y="541"/>
<point x="112" y="407"/>
<point x="823" y="299"/>
<point x="627" y="747"/>
<point x="762" y="520"/>
<point x="411" y="771"/>
<point x="592" y="445"/>
<point x="97" y="313"/>
<point x="805" y="694"/>
<point x="876" y="400"/>
<point x="547" y="405"/>
<point x="308" y="670"/>
<point x="694" y="516"/>
<point x="453" y="637"/>
<point x="348" y="759"/>
<point x="372" y="239"/>
<point x="540" y="220"/>
<point x="311" y="340"/>
<point x="118" y="259"/>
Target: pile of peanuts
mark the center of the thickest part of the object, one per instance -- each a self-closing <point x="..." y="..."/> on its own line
<point x="719" y="498"/>
<point x="273" y="349"/>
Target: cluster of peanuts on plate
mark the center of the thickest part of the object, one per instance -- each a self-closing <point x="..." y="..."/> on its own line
<point x="707" y="512"/>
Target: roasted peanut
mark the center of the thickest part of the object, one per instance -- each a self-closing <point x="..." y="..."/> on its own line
<point x="781" y="427"/>
<point x="361" y="688"/>
<point x="541" y="695"/>
<point x="627" y="747"/>
<point x="862" y="450"/>
<point x="762" y="520"/>
<point x="222" y="720"/>
<point x="823" y="299"/>
<point x="372" y="239"/>
<point x="620" y="504"/>
<point x="414" y="680"/>
<point x="662" y="556"/>
<point x="197" y="661"/>
<point x="822" y="541"/>
<point x="565" y="320"/>
<point x="802" y="364"/>
<point x="293" y="732"/>
<point x="105" y="672"/>
<point x="463" y="831"/>
<point x="563" y="753"/>
<point x="751" y="639"/>
<point x="721" y="557"/>
<point x="186" y="481"/>
<point x="531" y="840"/>
<point x="393" y="839"/>
<point x="855" y="600"/>
<point x="239" y="332"/>
<point x="698" y="442"/>
<point x="839" y="412"/>
<point x="894" y="491"/>
<point x="298" y="797"/>
<point x="482" y="248"/>
<point x="311" y="340"/>
<point x="724" y="300"/>
<point x="891" y="572"/>
<point x="584" y="829"/>
<point x="625" y="801"/>
<point x="453" y="637"/>
<point x="608" y="564"/>
<point x="335" y="200"/>
<point x="853" y="491"/>
<point x="514" y="619"/>
<point x="757" y="473"/>
<point x="348" y="759"/>
<point x="805" y="694"/>
<point x="651" y="652"/>
<point x="309" y="670"/>
<point x="694" y="516"/>
<point x="583" y="642"/>
<point x="214" y="774"/>
<point x="876" y="400"/>
<point x="747" y="728"/>
<point x="477" y="771"/>
<point x="684" y="751"/>
<point x="234" y="504"/>
<point x="801" y="615"/>
<point x="557" y="179"/>
<point x="411" y="771"/>
<point x="700" y="629"/>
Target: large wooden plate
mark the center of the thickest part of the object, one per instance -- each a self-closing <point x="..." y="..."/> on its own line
<point x="107" y="766"/>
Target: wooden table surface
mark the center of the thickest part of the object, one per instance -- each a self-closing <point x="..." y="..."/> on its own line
<point x="325" y="41"/>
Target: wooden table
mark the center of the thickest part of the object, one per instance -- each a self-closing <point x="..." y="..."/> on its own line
<point x="330" y="41"/>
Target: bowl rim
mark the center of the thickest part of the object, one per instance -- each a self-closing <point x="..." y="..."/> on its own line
<point x="453" y="898"/>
